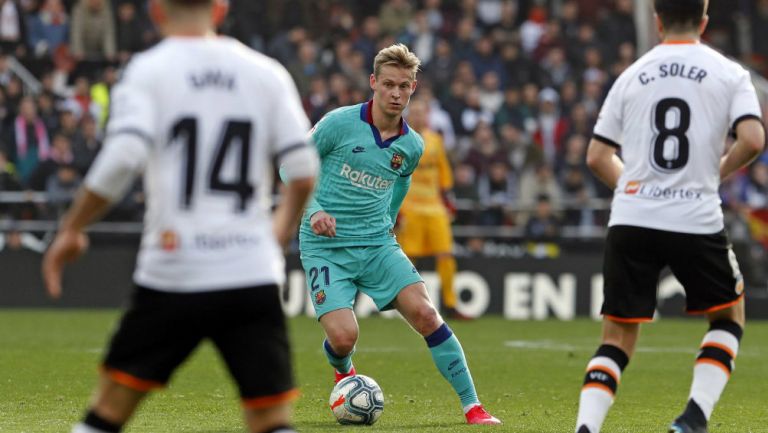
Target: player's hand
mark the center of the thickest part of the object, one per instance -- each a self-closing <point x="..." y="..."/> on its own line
<point x="66" y="248"/>
<point x="323" y="224"/>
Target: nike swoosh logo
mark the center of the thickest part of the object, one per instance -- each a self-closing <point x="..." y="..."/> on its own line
<point x="358" y="150"/>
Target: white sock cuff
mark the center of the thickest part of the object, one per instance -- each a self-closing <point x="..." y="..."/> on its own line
<point x="604" y="362"/>
<point x="723" y="339"/>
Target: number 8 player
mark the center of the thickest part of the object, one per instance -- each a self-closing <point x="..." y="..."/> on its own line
<point x="669" y="114"/>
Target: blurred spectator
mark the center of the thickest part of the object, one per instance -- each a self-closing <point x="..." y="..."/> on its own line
<point x="306" y="66"/>
<point x="86" y="146"/>
<point x="522" y="154"/>
<point x="753" y="192"/>
<point x="61" y="187"/>
<point x="93" y="31"/>
<point x="484" y="150"/>
<point x="100" y="94"/>
<point x="491" y="96"/>
<point x="618" y="26"/>
<point x="47" y="112"/>
<point x="284" y="45"/>
<point x="555" y="67"/>
<point x="82" y="97"/>
<point x="5" y="71"/>
<point x="439" y="119"/>
<point x="552" y="127"/>
<point x="60" y="155"/>
<point x="48" y="28"/>
<point x="488" y="12"/>
<point x="420" y="37"/>
<point x="394" y="16"/>
<point x="474" y="113"/>
<point x="543" y="226"/>
<point x="28" y="140"/>
<point x="434" y="15"/>
<point x="441" y="67"/>
<point x="510" y="111"/>
<point x="576" y="196"/>
<point x="130" y="33"/>
<point x="574" y="155"/>
<point x="533" y="183"/>
<point x="533" y="29"/>
<point x="466" y="193"/>
<point x="13" y="28"/>
<point x="520" y="70"/>
<point x="486" y="60"/>
<point x="497" y="190"/>
<point x="316" y="101"/>
<point x="368" y="39"/>
<point x="464" y="40"/>
<point x="8" y="180"/>
<point x="69" y="120"/>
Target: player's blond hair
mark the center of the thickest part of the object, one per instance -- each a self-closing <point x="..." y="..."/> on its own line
<point x="396" y="55"/>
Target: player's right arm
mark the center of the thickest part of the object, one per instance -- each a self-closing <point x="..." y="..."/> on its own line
<point x="325" y="137"/>
<point x="122" y="158"/>
<point x="749" y="144"/>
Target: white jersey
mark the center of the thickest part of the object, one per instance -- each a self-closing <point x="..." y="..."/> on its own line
<point x="670" y="113"/>
<point x="212" y="115"/>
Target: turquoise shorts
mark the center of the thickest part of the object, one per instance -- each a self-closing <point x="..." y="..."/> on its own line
<point x="335" y="275"/>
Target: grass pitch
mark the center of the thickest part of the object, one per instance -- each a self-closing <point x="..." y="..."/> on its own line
<point x="527" y="373"/>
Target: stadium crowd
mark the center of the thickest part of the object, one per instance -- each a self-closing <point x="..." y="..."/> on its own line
<point x="514" y="88"/>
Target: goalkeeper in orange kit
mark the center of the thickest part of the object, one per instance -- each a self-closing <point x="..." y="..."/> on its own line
<point x="424" y="223"/>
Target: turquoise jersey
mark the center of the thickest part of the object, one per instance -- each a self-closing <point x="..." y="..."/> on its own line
<point x="358" y="173"/>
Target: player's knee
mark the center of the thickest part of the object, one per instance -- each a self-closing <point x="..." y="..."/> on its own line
<point x="343" y="341"/>
<point x="427" y="320"/>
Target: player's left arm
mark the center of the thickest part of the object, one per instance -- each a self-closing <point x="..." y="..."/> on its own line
<point x="604" y="163"/>
<point x="399" y="191"/>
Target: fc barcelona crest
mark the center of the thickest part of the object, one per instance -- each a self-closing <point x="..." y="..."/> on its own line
<point x="397" y="161"/>
<point x="320" y="297"/>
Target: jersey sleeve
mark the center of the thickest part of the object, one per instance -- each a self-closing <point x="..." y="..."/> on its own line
<point x="324" y="134"/>
<point x="132" y="108"/>
<point x="289" y="121"/>
<point x="609" y="126"/>
<point x="744" y="104"/>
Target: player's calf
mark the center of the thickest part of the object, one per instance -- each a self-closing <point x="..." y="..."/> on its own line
<point x="710" y="374"/>
<point x="600" y="384"/>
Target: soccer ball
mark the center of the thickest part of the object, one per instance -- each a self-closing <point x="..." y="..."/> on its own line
<point x="357" y="400"/>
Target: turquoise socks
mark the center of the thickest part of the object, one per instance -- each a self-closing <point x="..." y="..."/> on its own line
<point x="342" y="364"/>
<point x="449" y="359"/>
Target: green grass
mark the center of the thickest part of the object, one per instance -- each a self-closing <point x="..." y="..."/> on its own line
<point x="527" y="373"/>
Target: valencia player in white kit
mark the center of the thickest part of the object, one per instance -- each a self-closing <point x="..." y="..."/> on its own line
<point x="669" y="115"/>
<point x="203" y="118"/>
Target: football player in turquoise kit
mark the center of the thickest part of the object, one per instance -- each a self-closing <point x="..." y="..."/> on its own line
<point x="367" y="154"/>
